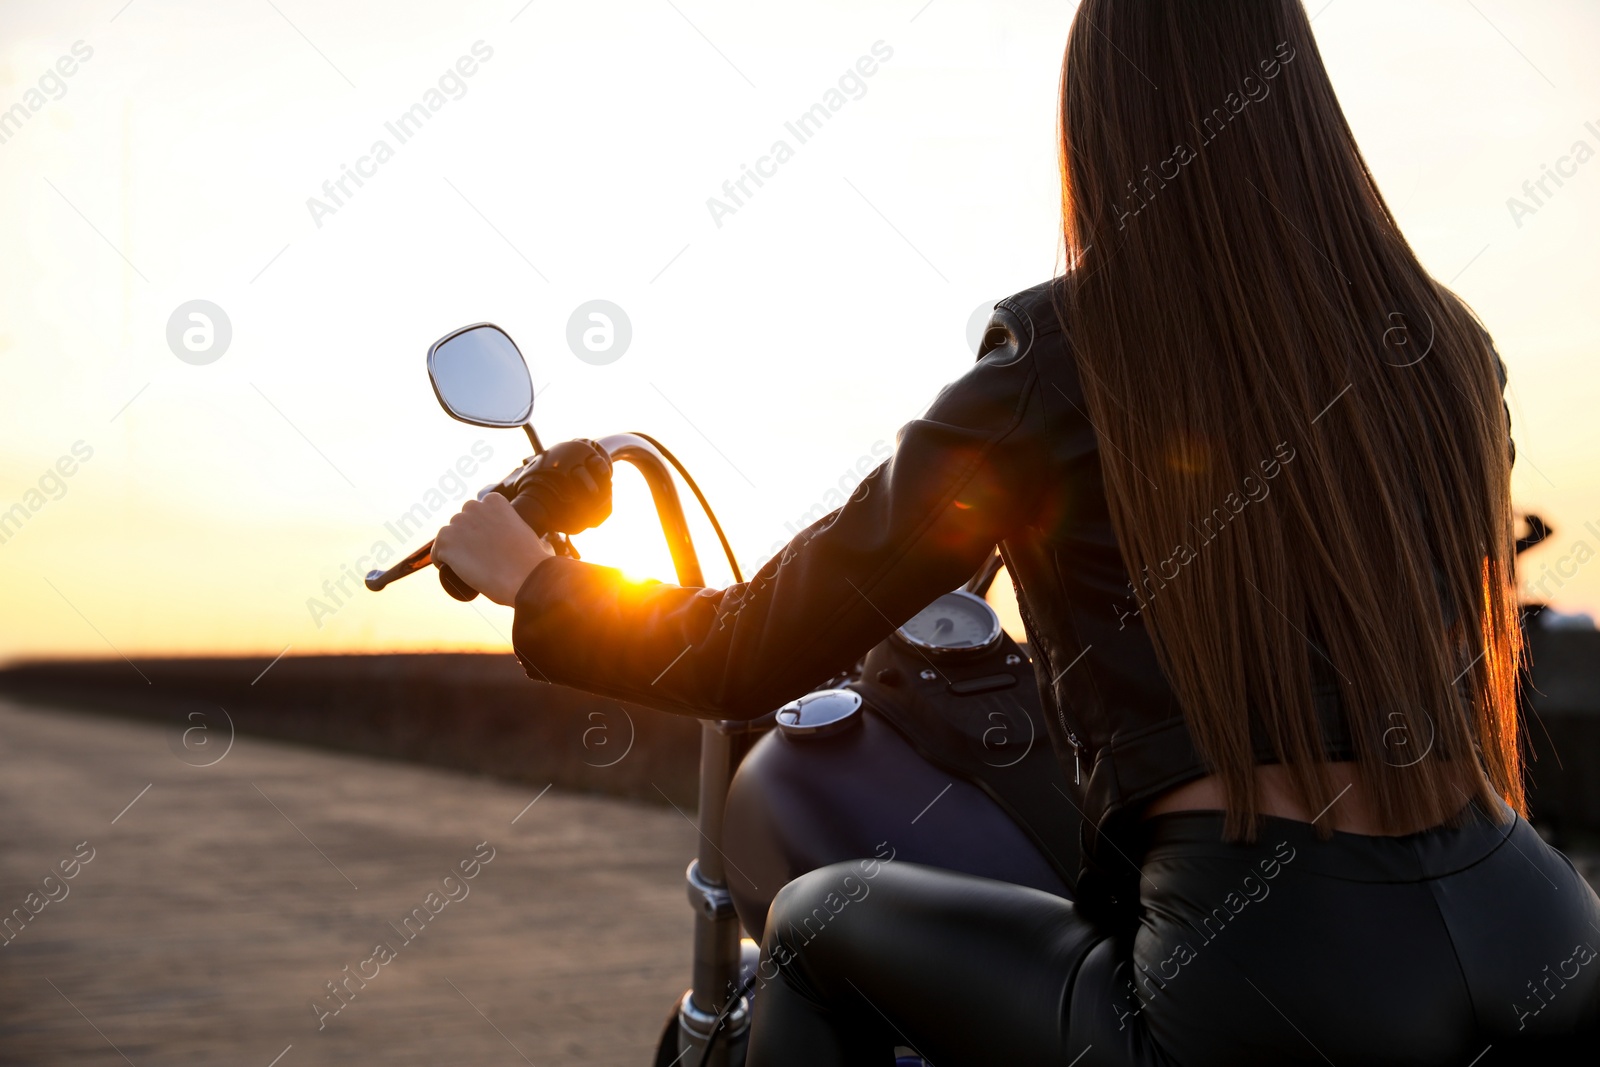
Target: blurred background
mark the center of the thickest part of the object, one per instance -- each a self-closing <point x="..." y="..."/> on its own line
<point x="332" y="186"/>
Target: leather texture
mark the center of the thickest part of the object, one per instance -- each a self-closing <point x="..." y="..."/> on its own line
<point x="1473" y="944"/>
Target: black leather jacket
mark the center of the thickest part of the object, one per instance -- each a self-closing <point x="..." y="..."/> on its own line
<point x="1005" y="455"/>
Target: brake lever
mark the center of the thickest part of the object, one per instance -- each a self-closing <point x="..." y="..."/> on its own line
<point x="423" y="557"/>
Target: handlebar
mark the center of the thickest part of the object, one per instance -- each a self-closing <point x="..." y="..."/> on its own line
<point x="632" y="448"/>
<point x="645" y="455"/>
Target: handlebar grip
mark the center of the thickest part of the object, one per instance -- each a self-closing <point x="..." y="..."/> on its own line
<point x="531" y="509"/>
<point x="455" y="586"/>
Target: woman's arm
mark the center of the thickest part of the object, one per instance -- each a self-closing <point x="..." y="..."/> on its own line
<point x="962" y="477"/>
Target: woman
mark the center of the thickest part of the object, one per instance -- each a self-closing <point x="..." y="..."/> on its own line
<point x="1249" y="466"/>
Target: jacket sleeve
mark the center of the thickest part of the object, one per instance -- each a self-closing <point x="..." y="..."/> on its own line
<point x="916" y="527"/>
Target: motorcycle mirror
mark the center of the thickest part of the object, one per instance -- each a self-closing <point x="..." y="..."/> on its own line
<point x="480" y="377"/>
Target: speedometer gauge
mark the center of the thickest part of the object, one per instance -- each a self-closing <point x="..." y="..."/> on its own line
<point x="956" y="623"/>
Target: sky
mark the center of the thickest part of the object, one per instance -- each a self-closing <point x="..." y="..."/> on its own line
<point x="181" y="495"/>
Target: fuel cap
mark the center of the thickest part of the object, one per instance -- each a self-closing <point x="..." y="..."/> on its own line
<point x="817" y="714"/>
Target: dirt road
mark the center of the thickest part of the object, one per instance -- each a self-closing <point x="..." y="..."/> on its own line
<point x="217" y="904"/>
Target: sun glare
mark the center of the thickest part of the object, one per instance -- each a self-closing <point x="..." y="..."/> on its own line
<point x="631" y="539"/>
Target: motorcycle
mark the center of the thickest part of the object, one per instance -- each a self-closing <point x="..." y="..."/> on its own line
<point x="932" y="746"/>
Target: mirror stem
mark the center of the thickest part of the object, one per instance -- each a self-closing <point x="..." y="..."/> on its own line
<point x="533" y="438"/>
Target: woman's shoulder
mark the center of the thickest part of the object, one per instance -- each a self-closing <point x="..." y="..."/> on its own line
<point x="1023" y="326"/>
<point x="1026" y="316"/>
<point x="1028" y="329"/>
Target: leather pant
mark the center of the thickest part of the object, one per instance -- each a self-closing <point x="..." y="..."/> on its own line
<point x="1434" y="948"/>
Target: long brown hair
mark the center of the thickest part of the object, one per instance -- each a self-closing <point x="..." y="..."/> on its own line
<point x="1303" y="439"/>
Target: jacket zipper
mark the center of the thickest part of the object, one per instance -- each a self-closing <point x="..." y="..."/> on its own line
<point x="1061" y="716"/>
<point x="1072" y="739"/>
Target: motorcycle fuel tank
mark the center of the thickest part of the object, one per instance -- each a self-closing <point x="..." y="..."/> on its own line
<point x="854" y="789"/>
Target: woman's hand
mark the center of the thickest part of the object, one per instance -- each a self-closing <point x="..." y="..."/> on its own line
<point x="490" y="548"/>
